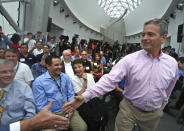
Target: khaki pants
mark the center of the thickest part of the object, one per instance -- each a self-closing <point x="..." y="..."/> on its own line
<point x="76" y="123"/>
<point x="129" y="114"/>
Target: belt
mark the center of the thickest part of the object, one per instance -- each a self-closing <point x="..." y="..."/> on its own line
<point x="137" y="107"/>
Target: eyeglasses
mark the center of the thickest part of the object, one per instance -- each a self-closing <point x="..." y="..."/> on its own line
<point x="7" y="71"/>
<point x="84" y="54"/>
<point x="68" y="55"/>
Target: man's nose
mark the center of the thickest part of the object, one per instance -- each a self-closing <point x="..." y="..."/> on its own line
<point x="9" y="73"/>
<point x="145" y="37"/>
<point x="60" y="66"/>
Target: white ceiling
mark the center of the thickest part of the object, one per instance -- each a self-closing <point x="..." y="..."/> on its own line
<point x="93" y="16"/>
<point x="88" y="12"/>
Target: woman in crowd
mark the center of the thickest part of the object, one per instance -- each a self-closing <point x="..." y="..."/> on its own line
<point x="97" y="67"/>
<point x="81" y="81"/>
<point x="15" y="39"/>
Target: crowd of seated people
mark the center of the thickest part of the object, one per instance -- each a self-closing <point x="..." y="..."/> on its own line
<point x="58" y="72"/>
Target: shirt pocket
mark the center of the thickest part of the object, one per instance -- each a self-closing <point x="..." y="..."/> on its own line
<point x="165" y="80"/>
<point x="15" y="111"/>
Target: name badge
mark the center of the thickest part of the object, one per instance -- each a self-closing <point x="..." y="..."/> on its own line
<point x="87" y="67"/>
<point x="22" y="59"/>
<point x="95" y="64"/>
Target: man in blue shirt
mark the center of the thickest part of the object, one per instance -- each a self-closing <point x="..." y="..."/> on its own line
<point x="102" y="57"/>
<point x="43" y="120"/>
<point x="17" y="101"/>
<point x="57" y="87"/>
<point x="39" y="67"/>
<point x="4" y="40"/>
<point x="18" y="105"/>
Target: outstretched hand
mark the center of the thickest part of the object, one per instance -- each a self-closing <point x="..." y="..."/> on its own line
<point x="74" y="104"/>
<point x="45" y="120"/>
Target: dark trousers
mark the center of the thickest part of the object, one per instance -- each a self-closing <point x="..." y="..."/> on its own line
<point x="180" y="101"/>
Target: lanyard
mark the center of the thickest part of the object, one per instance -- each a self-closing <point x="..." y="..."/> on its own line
<point x="17" y="68"/>
<point x="58" y="86"/>
<point x="60" y="89"/>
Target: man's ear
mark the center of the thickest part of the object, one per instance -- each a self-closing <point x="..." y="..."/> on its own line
<point x="48" y="66"/>
<point x="84" y="67"/>
<point x="163" y="37"/>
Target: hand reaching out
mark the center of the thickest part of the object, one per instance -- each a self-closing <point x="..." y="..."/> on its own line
<point x="74" y="104"/>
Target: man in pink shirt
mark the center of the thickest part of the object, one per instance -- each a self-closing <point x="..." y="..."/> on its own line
<point x="150" y="76"/>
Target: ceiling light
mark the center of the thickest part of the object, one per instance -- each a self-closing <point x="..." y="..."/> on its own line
<point x="55" y="2"/>
<point x="61" y="10"/>
<point x="180" y="6"/>
<point x="67" y="15"/>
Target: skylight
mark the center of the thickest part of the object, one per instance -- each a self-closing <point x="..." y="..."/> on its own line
<point x="116" y="8"/>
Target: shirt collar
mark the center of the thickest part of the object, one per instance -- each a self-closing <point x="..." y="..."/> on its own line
<point x="148" y="54"/>
<point x="47" y="75"/>
<point x="6" y="88"/>
<point x="67" y="63"/>
<point x="15" y="67"/>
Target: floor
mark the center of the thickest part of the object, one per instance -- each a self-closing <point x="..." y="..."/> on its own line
<point x="168" y="123"/>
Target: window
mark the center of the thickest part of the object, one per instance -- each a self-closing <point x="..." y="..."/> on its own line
<point x="116" y="8"/>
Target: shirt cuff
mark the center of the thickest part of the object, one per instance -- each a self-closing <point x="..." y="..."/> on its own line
<point x="86" y="96"/>
<point x="15" y="126"/>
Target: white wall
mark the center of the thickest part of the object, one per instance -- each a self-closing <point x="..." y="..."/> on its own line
<point x="114" y="31"/>
<point x="70" y="29"/>
<point x="172" y="31"/>
<point x="56" y="31"/>
<point x="148" y="9"/>
<point x="133" y="40"/>
<point x="173" y="28"/>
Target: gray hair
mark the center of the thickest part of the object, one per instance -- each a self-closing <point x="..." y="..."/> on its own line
<point x="6" y="62"/>
<point x="66" y="51"/>
<point x="161" y="23"/>
<point x="12" y="51"/>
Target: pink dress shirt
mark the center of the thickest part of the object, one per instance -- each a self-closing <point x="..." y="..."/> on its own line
<point x="148" y="84"/>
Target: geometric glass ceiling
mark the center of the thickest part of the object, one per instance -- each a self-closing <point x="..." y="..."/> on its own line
<point x="116" y="8"/>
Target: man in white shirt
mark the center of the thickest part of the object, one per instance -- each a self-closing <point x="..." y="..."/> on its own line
<point x="23" y="72"/>
<point x="29" y="41"/>
<point x="52" y="44"/>
<point x="67" y="63"/>
<point x="37" y="49"/>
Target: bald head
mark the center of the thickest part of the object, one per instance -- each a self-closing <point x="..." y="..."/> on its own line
<point x="66" y="52"/>
<point x="67" y="55"/>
